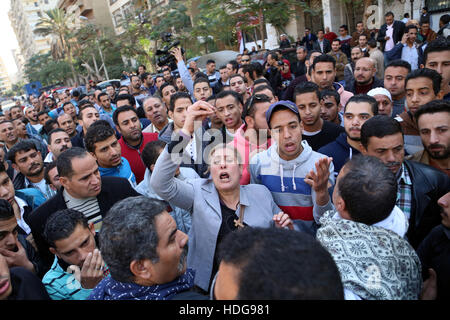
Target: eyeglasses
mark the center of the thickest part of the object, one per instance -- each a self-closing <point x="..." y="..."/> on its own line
<point x="245" y="60"/>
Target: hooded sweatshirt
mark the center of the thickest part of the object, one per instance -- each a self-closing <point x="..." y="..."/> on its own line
<point x="344" y="94"/>
<point x="246" y="150"/>
<point x="285" y="180"/>
<point x="340" y="151"/>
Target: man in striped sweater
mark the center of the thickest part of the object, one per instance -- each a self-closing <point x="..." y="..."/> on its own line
<point x="297" y="176"/>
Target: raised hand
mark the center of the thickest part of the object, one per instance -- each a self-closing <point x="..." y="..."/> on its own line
<point x="92" y="270"/>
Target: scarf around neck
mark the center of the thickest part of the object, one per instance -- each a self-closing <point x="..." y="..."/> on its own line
<point x="110" y="289"/>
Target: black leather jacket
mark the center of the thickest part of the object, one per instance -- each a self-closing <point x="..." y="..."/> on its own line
<point x="428" y="185"/>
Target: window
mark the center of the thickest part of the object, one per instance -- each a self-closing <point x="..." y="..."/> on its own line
<point x="111" y="2"/>
<point x="437" y="5"/>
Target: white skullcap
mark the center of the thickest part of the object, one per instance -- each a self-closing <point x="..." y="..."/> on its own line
<point x="26" y="108"/>
<point x="380" y="90"/>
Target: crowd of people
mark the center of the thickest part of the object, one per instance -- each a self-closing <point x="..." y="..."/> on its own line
<point x="224" y="183"/>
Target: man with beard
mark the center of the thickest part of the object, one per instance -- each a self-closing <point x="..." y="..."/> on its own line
<point x="422" y="86"/>
<point x="33" y="125"/>
<point x="384" y="100"/>
<point x="133" y="140"/>
<point x="419" y="186"/>
<point x="433" y="121"/>
<point x="253" y="135"/>
<point x="135" y="89"/>
<point x="58" y="141"/>
<point x="154" y="268"/>
<point x="364" y="77"/>
<point x="27" y="160"/>
<point x="356" y="53"/>
<point x="101" y="142"/>
<point x="358" y="110"/>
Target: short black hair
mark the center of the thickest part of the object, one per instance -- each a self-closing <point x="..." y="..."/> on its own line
<point x="47" y="169"/>
<point x="389" y="13"/>
<point x="6" y="210"/>
<point x="102" y="95"/>
<point x="49" y="137"/>
<point x="166" y="84"/>
<point x="379" y="126"/>
<point x="440" y="44"/>
<point x="262" y="80"/>
<point x="431" y="107"/>
<point x="409" y="27"/>
<point x="369" y="189"/>
<point x="399" y="63"/>
<point x="445" y="19"/>
<point x="264" y="87"/>
<point x="96" y="134"/>
<point x="176" y="96"/>
<point x="150" y="153"/>
<point x="323" y="58"/>
<point x="84" y="107"/>
<point x="330" y="93"/>
<point x="61" y="224"/>
<point x="129" y="97"/>
<point x="66" y="104"/>
<point x="21" y="146"/>
<point x="64" y="161"/>
<point x="210" y="61"/>
<point x="344" y="26"/>
<point x="431" y="74"/>
<point x="120" y="110"/>
<point x="201" y="80"/>
<point x="144" y="76"/>
<point x="48" y="125"/>
<point x="306" y="87"/>
<point x="227" y="93"/>
<point x="267" y="271"/>
<point x="249" y="107"/>
<point x="364" y="98"/>
<point x="234" y="64"/>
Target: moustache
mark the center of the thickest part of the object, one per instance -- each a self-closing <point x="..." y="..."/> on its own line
<point x="393" y="164"/>
<point x="183" y="258"/>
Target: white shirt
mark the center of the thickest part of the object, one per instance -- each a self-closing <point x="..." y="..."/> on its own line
<point x="20" y="221"/>
<point x="389" y="33"/>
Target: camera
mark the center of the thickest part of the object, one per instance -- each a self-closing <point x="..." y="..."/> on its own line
<point x="165" y="57"/>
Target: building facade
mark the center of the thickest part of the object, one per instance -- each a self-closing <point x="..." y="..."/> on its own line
<point x="24" y="15"/>
<point x="5" y="81"/>
<point x="96" y="11"/>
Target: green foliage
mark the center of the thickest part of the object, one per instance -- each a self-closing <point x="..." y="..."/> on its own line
<point x="43" y="68"/>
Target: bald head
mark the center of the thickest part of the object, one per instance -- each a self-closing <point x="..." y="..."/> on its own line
<point x="365" y="69"/>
